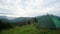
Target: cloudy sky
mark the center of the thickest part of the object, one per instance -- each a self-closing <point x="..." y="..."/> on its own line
<point x="29" y="8"/>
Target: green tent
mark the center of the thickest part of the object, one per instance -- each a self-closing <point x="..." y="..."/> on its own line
<point x="48" y="22"/>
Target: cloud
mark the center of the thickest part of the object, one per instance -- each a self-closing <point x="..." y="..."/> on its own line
<point x="30" y="8"/>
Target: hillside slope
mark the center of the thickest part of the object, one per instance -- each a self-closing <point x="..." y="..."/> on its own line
<point x="29" y="29"/>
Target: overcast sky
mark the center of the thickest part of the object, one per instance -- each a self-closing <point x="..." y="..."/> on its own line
<point x="29" y="8"/>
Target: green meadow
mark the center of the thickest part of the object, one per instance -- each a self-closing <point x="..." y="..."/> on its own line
<point x="29" y="29"/>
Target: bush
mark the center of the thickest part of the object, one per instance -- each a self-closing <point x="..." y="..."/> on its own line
<point x="5" y="26"/>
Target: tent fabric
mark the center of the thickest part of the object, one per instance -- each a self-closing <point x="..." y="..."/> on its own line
<point x="56" y="21"/>
<point x="48" y="22"/>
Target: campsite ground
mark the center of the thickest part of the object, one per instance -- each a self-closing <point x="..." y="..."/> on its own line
<point x="29" y="29"/>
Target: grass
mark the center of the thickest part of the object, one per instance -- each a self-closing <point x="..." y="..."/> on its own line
<point x="29" y="29"/>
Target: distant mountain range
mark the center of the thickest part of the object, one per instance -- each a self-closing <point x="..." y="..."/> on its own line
<point x="21" y="19"/>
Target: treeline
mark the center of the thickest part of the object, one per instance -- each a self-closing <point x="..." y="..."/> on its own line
<point x="7" y="24"/>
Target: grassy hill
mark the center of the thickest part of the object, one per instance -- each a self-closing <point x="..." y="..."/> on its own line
<point x="29" y="29"/>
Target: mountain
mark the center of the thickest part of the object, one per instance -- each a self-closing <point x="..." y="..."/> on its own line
<point x="22" y="19"/>
<point x="3" y="17"/>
